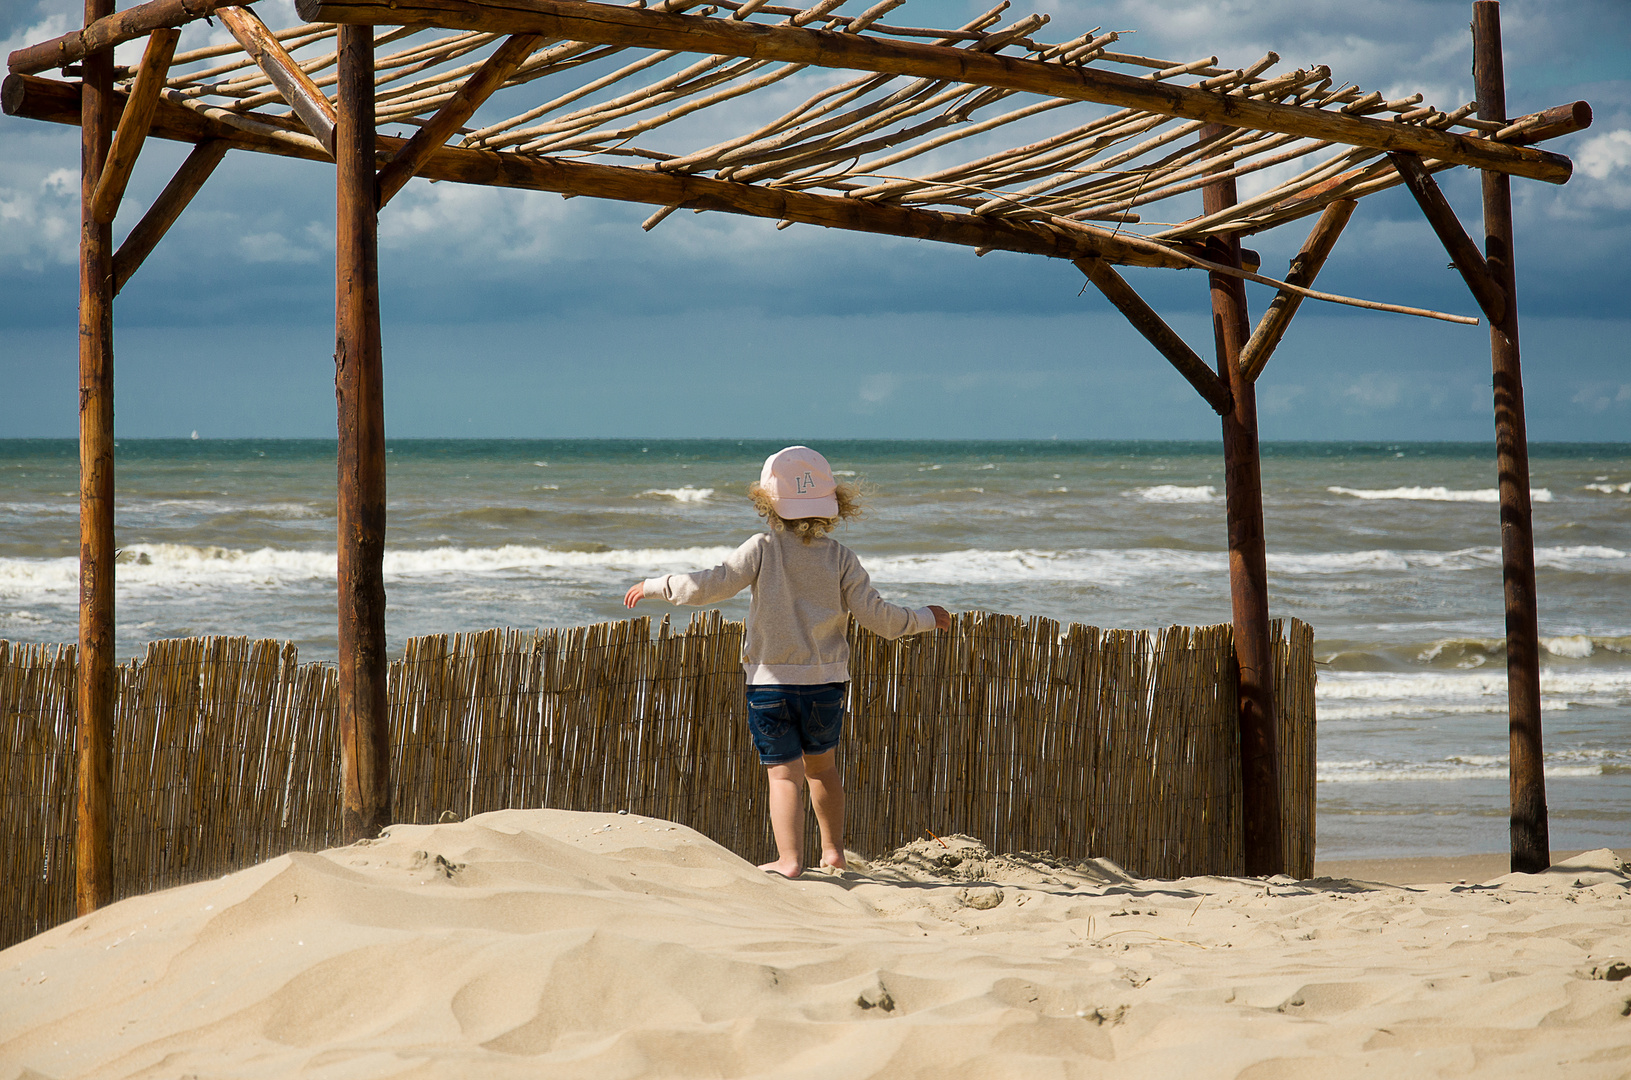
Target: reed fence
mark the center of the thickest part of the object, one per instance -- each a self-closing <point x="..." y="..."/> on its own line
<point x="1026" y="734"/>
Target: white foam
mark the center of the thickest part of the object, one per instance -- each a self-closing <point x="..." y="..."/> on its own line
<point x="180" y="568"/>
<point x="1104" y="567"/>
<point x="1610" y="489"/>
<point x="186" y="566"/>
<point x="1437" y="494"/>
<point x="687" y="494"/>
<point x="1575" y="646"/>
<point x="1472" y="767"/>
<point x="1432" y="688"/>
<point x="1175" y="493"/>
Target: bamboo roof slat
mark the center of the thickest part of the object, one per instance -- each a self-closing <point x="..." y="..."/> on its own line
<point x="983" y="134"/>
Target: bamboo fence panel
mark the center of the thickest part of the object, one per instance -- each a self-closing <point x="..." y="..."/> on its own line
<point x="37" y="718"/>
<point x="1031" y="736"/>
<point x="225" y="754"/>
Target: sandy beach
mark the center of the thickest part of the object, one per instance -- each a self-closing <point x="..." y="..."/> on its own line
<point x="547" y="943"/>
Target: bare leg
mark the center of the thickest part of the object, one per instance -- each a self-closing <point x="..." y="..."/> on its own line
<point x="827" y="796"/>
<point x="787" y="818"/>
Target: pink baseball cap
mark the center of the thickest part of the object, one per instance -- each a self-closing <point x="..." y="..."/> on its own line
<point x="800" y="484"/>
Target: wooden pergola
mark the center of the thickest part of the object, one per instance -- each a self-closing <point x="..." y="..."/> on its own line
<point x="983" y="135"/>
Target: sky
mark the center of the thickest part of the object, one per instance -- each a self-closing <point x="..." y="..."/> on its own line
<point x="520" y="314"/>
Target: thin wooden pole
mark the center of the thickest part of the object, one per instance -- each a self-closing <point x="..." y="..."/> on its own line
<point x="93" y="842"/>
<point x="1248" y="556"/>
<point x="1464" y="254"/>
<point x="166" y="209"/>
<point x="1272" y="327"/>
<point x="364" y="739"/>
<point x="606" y="24"/>
<point x="463" y="105"/>
<point x="1531" y="846"/>
<point x="1156" y="331"/>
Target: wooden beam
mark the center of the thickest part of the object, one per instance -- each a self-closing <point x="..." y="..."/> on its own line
<point x="97" y="686"/>
<point x="452" y="115"/>
<point x="1462" y="251"/>
<point x="1531" y="845"/>
<point x="134" y="122"/>
<point x="114" y="29"/>
<point x="1547" y="124"/>
<point x="57" y="101"/>
<point x="1262" y="838"/>
<point x="166" y="209"/>
<point x="1157" y="332"/>
<point x="308" y="102"/>
<point x="1304" y="269"/>
<point x="365" y="757"/>
<point x="608" y="24"/>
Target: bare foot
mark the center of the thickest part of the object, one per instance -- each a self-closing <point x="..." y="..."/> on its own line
<point x="833" y="860"/>
<point x="786" y="870"/>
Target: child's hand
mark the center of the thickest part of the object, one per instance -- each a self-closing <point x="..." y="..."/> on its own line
<point x="636" y="593"/>
<point x="942" y="617"/>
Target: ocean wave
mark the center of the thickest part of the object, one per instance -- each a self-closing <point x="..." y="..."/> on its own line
<point x="1585" y="558"/>
<point x="1377" y="695"/>
<point x="1437" y="494"/>
<point x="152" y="564"/>
<point x="182" y="567"/>
<point x="1416" y="684"/>
<point x="1610" y="489"/>
<point x="687" y="494"/>
<point x="67" y="506"/>
<point x="1105" y="567"/>
<point x="1471" y="767"/>
<point x="1175" y="493"/>
<point x="1466" y="653"/>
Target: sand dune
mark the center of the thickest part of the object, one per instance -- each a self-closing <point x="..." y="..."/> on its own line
<point x="546" y="943"/>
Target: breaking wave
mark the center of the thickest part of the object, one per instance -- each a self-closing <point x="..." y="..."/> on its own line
<point x="685" y="494"/>
<point x="1437" y="494"/>
<point x="1175" y="493"/>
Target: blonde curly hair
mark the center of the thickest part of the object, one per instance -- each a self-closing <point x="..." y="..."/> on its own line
<point x="808" y="529"/>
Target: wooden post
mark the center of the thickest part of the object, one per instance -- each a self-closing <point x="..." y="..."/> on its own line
<point x="1248" y="556"/>
<point x="364" y="743"/>
<point x="1531" y="846"/>
<point x="93" y="842"/>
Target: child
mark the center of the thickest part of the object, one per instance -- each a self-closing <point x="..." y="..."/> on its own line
<point x="796" y="655"/>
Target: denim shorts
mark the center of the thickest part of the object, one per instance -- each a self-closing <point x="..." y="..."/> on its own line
<point x="790" y="721"/>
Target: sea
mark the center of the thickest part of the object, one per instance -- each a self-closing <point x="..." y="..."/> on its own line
<point x="1389" y="550"/>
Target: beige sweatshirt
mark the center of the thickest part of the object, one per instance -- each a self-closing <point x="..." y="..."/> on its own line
<point x="801" y="596"/>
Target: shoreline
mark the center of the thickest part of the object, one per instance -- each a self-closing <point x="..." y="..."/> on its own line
<point x="1433" y="869"/>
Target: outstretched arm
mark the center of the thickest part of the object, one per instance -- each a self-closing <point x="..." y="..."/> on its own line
<point x="879" y="615"/>
<point x="722" y="582"/>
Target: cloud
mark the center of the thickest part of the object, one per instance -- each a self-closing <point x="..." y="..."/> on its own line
<point x="1373" y="392"/>
<point x="1597" y="397"/>
<point x="1603" y="169"/>
<point x="39" y="217"/>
